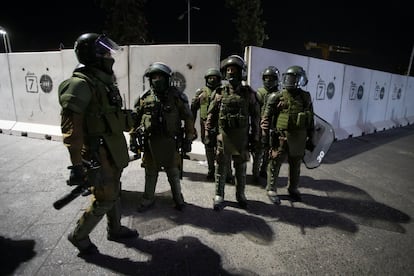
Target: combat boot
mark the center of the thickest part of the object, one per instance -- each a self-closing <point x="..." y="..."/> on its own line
<point x="218" y="203"/>
<point x="145" y="204"/>
<point x="273" y="197"/>
<point x="241" y="198"/>
<point x="173" y="175"/>
<point x="122" y="233"/>
<point x="294" y="194"/>
<point x="85" y="246"/>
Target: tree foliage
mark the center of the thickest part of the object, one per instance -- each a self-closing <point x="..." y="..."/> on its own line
<point x="126" y="22"/>
<point x="248" y="21"/>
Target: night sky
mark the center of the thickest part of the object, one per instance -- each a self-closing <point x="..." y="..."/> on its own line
<point x="380" y="36"/>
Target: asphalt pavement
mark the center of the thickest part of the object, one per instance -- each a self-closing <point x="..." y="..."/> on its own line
<point x="355" y="218"/>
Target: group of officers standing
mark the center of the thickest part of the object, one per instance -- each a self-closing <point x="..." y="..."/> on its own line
<point x="270" y="124"/>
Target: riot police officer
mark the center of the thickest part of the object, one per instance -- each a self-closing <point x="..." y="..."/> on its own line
<point x="235" y="112"/>
<point x="201" y="102"/>
<point x="92" y="124"/>
<point x="292" y="111"/>
<point x="160" y="112"/>
<point x="270" y="79"/>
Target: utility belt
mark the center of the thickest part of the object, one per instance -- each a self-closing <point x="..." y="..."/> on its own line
<point x="233" y="121"/>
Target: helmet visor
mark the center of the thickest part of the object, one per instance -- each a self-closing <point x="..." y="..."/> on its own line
<point x="106" y="47"/>
<point x="290" y="81"/>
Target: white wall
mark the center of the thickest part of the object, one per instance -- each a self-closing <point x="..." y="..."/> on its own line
<point x="354" y="100"/>
<point x="29" y="85"/>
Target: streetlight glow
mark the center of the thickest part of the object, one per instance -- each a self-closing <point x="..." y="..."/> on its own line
<point x="6" y="40"/>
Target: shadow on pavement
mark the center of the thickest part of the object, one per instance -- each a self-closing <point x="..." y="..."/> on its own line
<point x="13" y="253"/>
<point x="347" y="148"/>
<point x="186" y="256"/>
<point x="354" y="203"/>
<point x="163" y="216"/>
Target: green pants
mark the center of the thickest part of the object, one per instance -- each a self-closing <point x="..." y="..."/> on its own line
<point x="105" y="200"/>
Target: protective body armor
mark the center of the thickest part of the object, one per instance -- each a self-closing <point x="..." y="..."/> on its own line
<point x="263" y="96"/>
<point x="161" y="119"/>
<point x="100" y="101"/>
<point x="296" y="113"/>
<point x="234" y="110"/>
<point x="234" y="115"/>
<point x="162" y="116"/>
<point x="204" y="95"/>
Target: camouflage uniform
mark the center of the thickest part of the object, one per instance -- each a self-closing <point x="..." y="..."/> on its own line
<point x="201" y="102"/>
<point x="291" y="111"/>
<point x="160" y="113"/>
<point x="235" y="112"/>
<point x="270" y="78"/>
<point x="92" y="125"/>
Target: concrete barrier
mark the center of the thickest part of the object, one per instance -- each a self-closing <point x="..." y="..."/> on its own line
<point x="356" y="101"/>
<point x="7" y="110"/>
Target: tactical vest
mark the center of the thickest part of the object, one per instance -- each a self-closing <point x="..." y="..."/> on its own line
<point x="105" y="119"/>
<point x="234" y="109"/>
<point x="204" y="102"/>
<point x="295" y="114"/>
<point x="161" y="116"/>
<point x="263" y="96"/>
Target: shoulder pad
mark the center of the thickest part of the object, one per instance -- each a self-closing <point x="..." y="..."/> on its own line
<point x="274" y="97"/>
<point x="145" y="94"/>
<point x="177" y="93"/>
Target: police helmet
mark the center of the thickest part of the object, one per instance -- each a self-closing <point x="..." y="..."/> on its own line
<point x="294" y="77"/>
<point x="91" y="47"/>
<point x="213" y="72"/>
<point x="213" y="83"/>
<point x="271" y="71"/>
<point x="158" y="67"/>
<point x="235" y="60"/>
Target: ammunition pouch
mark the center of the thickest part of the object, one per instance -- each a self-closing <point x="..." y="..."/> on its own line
<point x="289" y="121"/>
<point x="234" y="121"/>
<point x="282" y="120"/>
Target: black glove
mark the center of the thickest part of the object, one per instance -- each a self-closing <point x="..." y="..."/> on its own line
<point x="186" y="145"/>
<point x="77" y="175"/>
<point x="309" y="145"/>
<point x="133" y="145"/>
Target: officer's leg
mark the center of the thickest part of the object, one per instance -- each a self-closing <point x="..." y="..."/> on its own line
<point x="116" y="231"/>
<point x="110" y="192"/>
<point x="173" y="175"/>
<point x="79" y="237"/>
<point x="211" y="156"/>
<point x="240" y="166"/>
<point x="265" y="162"/>
<point x="229" y="174"/>
<point x="104" y="193"/>
<point x="273" y="169"/>
<point x="221" y="173"/>
<point x="148" y="198"/>
<point x="257" y="160"/>
<point x="294" y="174"/>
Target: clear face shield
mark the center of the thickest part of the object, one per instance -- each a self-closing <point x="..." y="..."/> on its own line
<point x="106" y="47"/>
<point x="290" y="81"/>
